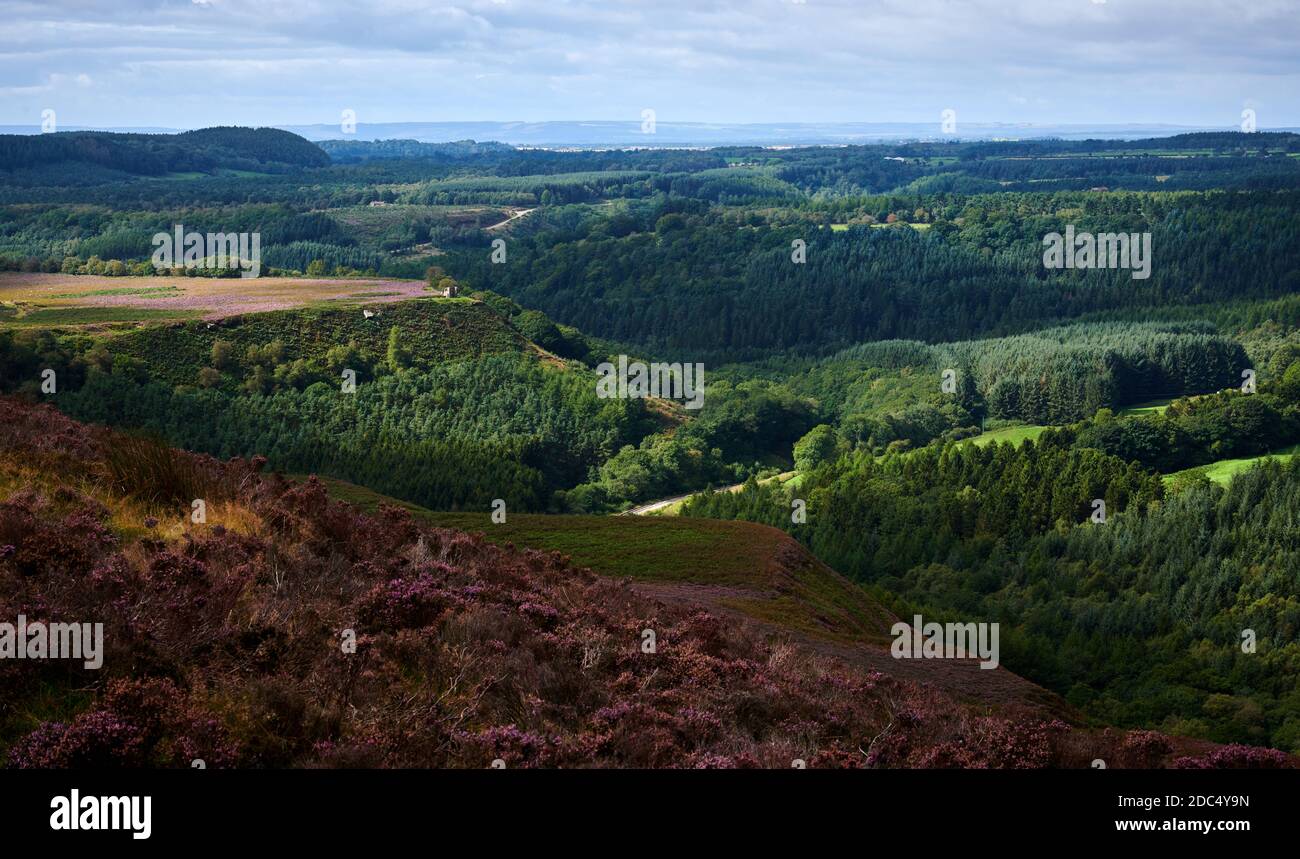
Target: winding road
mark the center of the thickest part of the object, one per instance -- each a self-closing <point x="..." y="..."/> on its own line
<point x="652" y="506"/>
<point x="518" y="214"/>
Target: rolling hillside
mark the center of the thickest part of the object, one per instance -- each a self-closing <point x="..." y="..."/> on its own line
<point x="207" y="149"/>
<point x="291" y="630"/>
<point x="448" y="402"/>
<point x="433" y="331"/>
<point x="751" y="572"/>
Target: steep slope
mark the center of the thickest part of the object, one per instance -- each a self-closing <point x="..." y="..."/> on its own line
<point x="746" y="571"/>
<point x="432" y="331"/>
<point x="230" y="640"/>
<point x="447" y="402"/>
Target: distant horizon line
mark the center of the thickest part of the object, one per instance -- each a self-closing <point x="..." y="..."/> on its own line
<point x="669" y="122"/>
<point x="667" y="134"/>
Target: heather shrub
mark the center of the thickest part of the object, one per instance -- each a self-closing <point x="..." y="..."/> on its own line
<point x="508" y="743"/>
<point x="1236" y="757"/>
<point x="147" y="723"/>
<point x="226" y="645"/>
<point x="44" y="542"/>
<point x="1144" y="749"/>
<point x="95" y="739"/>
<point x="400" y="603"/>
<point x="993" y="743"/>
<point x="278" y="724"/>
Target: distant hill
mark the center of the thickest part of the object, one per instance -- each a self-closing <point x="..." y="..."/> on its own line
<point x="632" y="133"/>
<point x="349" y="151"/>
<point x="205" y="150"/>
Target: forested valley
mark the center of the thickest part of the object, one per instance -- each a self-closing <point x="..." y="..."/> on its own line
<point x="883" y="350"/>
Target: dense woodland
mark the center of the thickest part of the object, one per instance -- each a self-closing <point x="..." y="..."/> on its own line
<point x="721" y="282"/>
<point x="208" y="149"/>
<point x="1137" y="621"/>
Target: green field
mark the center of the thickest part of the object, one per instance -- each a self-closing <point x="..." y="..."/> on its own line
<point x="1224" y="470"/>
<point x="1151" y="407"/>
<point x="1014" y="435"/>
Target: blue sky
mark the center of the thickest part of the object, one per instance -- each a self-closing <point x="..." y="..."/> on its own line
<point x="195" y="63"/>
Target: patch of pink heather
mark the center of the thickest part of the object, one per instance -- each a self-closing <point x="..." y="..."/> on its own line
<point x="217" y="298"/>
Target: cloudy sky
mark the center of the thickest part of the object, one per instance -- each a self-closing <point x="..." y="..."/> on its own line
<point x="194" y="63"/>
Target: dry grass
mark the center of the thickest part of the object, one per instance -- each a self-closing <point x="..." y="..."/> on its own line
<point x="129" y="515"/>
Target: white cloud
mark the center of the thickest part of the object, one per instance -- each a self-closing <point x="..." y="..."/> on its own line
<point x="295" y="61"/>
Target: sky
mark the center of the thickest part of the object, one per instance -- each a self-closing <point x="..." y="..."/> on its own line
<point x="197" y="63"/>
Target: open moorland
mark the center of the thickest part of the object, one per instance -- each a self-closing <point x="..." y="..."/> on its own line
<point x="59" y="299"/>
<point x="904" y="411"/>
